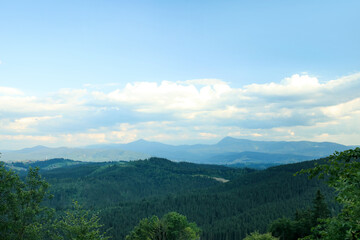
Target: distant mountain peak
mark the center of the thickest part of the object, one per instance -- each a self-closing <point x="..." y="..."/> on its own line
<point x="38" y="147"/>
<point x="141" y="140"/>
<point x="227" y="140"/>
<point x="141" y="149"/>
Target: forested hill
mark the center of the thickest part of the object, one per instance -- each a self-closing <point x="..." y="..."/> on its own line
<point x="230" y="210"/>
<point x="225" y="202"/>
<point x="43" y="165"/>
<point x="130" y="181"/>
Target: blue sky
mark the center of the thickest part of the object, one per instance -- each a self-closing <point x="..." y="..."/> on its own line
<point x="81" y="72"/>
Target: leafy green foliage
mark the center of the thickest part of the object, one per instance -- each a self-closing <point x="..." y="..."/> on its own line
<point x="259" y="236"/>
<point x="173" y="226"/>
<point x="20" y="209"/>
<point x="22" y="217"/>
<point x="78" y="224"/>
<point x="342" y="172"/>
<point x="21" y="213"/>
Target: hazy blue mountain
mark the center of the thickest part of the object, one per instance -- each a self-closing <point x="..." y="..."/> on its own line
<point x="202" y="153"/>
<point x="43" y="165"/>
<point x="191" y="153"/>
<point x="256" y="160"/>
<point x="306" y="148"/>
<point x="229" y="151"/>
<point x="78" y="154"/>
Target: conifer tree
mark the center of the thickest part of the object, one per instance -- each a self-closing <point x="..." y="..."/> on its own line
<point x="320" y="209"/>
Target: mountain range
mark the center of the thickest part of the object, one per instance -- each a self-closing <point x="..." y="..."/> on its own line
<point x="228" y="151"/>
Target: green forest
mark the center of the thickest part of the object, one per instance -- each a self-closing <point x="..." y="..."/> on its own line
<point x="63" y="199"/>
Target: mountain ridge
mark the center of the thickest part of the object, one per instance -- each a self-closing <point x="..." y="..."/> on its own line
<point x="268" y="151"/>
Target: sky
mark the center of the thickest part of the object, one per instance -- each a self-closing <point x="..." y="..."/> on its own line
<point x="74" y="73"/>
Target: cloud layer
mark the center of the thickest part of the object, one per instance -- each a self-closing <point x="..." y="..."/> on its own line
<point x="296" y="108"/>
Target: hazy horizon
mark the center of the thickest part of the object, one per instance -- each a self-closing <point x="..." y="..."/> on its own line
<point x="212" y="142"/>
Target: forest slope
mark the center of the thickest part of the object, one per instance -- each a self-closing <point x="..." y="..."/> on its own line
<point x="125" y="192"/>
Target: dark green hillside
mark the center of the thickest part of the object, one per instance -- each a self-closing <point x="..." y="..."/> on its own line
<point x="227" y="211"/>
<point x="226" y="203"/>
<point x="43" y="165"/>
<point x="129" y="181"/>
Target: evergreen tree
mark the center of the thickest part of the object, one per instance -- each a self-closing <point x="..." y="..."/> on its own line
<point x="287" y="229"/>
<point x="303" y="223"/>
<point x="283" y="228"/>
<point x="320" y="209"/>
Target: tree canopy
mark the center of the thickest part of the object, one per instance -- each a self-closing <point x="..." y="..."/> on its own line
<point x="21" y="213"/>
<point x="342" y="172"/>
<point x="78" y="224"/>
<point x="259" y="236"/>
<point x="22" y="216"/>
<point x="172" y="226"/>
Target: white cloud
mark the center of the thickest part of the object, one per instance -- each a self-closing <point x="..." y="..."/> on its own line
<point x="88" y="137"/>
<point x="24" y="124"/>
<point x="294" y="85"/>
<point x="342" y="110"/>
<point x="32" y="138"/>
<point x="346" y="82"/>
<point x="208" y="135"/>
<point x="299" y="107"/>
<point x="257" y="134"/>
<point x="66" y="100"/>
<point x="306" y="91"/>
<point x="10" y="91"/>
<point x="167" y="96"/>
